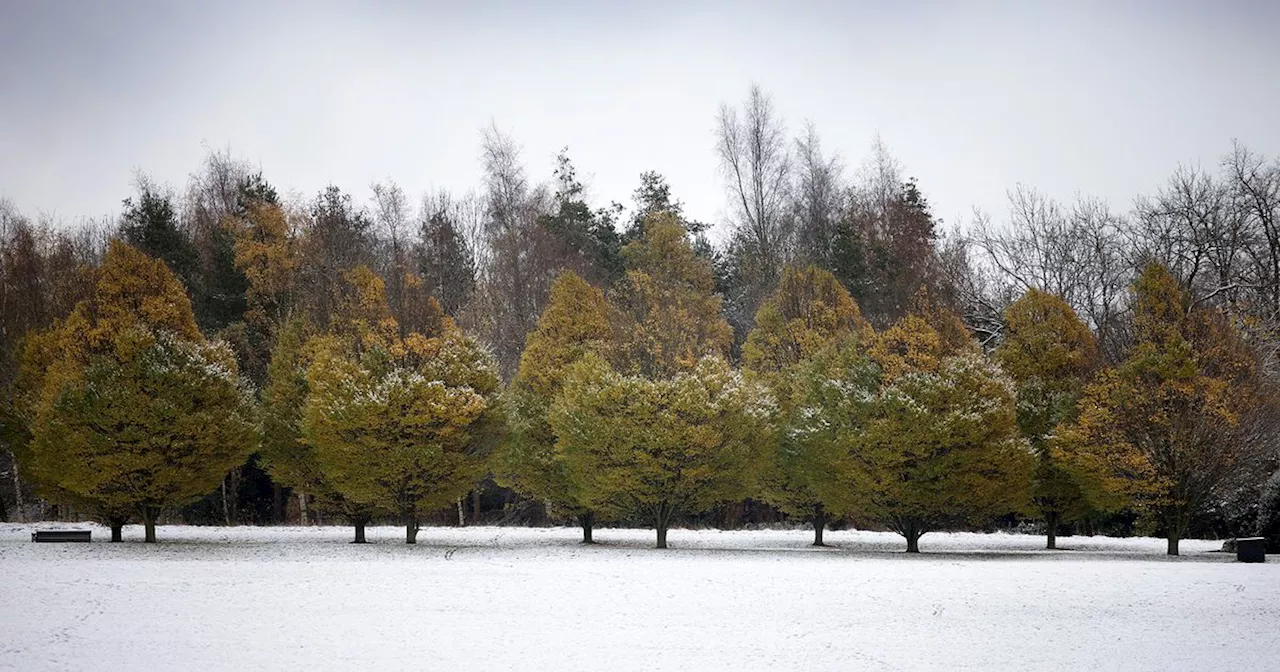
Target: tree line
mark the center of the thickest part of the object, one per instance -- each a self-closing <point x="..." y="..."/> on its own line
<point x="232" y="354"/>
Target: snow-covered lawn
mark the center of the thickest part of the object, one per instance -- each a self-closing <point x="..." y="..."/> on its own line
<point x="490" y="598"/>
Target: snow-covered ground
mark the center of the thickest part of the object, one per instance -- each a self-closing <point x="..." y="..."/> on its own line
<point x="488" y="598"/>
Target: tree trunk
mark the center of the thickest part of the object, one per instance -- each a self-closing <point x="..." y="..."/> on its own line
<point x="1173" y="543"/>
<point x="462" y="514"/>
<point x="912" y="532"/>
<point x="1051" y="530"/>
<point x="819" y="524"/>
<point x="302" y="509"/>
<point x="662" y="520"/>
<point x="277" y="503"/>
<point x="587" y="521"/>
<point x="359" y="523"/>
<point x="226" y="506"/>
<point x="475" y="506"/>
<point x="21" y="516"/>
<point x="411" y="531"/>
<point x="149" y="516"/>
<point x="117" y="530"/>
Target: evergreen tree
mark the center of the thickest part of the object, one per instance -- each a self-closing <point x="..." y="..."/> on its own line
<point x="666" y="316"/>
<point x="1049" y="352"/>
<point x="659" y="447"/>
<point x="136" y="413"/>
<point x="940" y="445"/>
<point x="150" y="224"/>
<point x="1169" y="427"/>
<point x="445" y="261"/>
<point x="810" y="316"/>
<point x="394" y="422"/>
<point x="574" y="323"/>
<point x="581" y="240"/>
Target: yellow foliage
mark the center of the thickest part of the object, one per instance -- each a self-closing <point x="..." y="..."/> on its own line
<point x="667" y="316"/>
<point x="809" y="311"/>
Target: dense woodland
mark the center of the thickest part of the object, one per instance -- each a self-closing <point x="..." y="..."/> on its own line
<point x="224" y="354"/>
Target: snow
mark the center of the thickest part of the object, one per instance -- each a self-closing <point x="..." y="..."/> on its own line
<point x="492" y="598"/>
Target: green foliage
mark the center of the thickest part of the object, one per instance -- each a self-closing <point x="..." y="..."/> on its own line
<point x="1050" y="353"/>
<point x="808" y="333"/>
<point x="941" y="448"/>
<point x="290" y="460"/>
<point x="150" y="224"/>
<point x="658" y="447"/>
<point x="585" y="240"/>
<point x="666" y="315"/>
<point x="395" y="424"/>
<point x="574" y="323"/>
<point x="131" y="410"/>
<point x="827" y="404"/>
<point x="157" y="423"/>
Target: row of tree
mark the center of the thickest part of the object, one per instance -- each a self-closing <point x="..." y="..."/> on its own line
<point x="836" y="357"/>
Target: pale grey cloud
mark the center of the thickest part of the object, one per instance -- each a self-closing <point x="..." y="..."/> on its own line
<point x="1104" y="98"/>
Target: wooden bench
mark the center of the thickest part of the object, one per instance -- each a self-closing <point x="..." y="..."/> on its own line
<point x="61" y="535"/>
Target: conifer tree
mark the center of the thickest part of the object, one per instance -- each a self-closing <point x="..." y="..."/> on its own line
<point x="1049" y="352"/>
<point x="396" y="423"/>
<point x="659" y="447"/>
<point x="940" y="444"/>
<point x="810" y="317"/>
<point x="574" y="323"/>
<point x="1169" y="426"/>
<point x="667" y="427"/>
<point x="135" y="412"/>
<point x="666" y="314"/>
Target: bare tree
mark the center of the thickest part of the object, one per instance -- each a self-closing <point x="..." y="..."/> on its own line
<point x="1076" y="253"/>
<point x="513" y="281"/>
<point x="1253" y="190"/>
<point x="755" y="160"/>
<point x="391" y="214"/>
<point x="1191" y="228"/>
<point x="819" y="200"/>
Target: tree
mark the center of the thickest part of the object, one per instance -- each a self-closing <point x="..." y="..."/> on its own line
<point x="825" y="404"/>
<point x="1171" y="425"/>
<point x="809" y="314"/>
<point x="392" y="216"/>
<point x="666" y="316"/>
<point x="579" y="238"/>
<point x="290" y="460"/>
<point x="445" y="259"/>
<point x="394" y="421"/>
<point x="136" y="412"/>
<point x="513" y="279"/>
<point x="337" y="237"/>
<point x="150" y="224"/>
<point x="818" y="201"/>
<point x="755" y="158"/>
<point x="942" y="448"/>
<point x="884" y="246"/>
<point x="659" y="447"/>
<point x="574" y="323"/>
<point x="1050" y="354"/>
<point x="939" y="445"/>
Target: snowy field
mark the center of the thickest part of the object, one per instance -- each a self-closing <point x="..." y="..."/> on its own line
<point x="490" y="598"/>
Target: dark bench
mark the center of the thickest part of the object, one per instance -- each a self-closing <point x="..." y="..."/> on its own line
<point x="1253" y="549"/>
<point x="61" y="535"/>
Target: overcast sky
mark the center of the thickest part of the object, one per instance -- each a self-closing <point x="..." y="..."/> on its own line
<point x="1103" y="98"/>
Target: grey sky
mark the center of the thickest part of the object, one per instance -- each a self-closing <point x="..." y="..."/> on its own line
<point x="1103" y="98"/>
